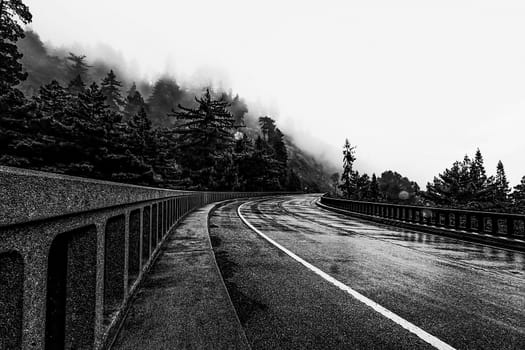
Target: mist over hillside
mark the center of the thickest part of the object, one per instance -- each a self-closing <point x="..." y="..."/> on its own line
<point x="45" y="63"/>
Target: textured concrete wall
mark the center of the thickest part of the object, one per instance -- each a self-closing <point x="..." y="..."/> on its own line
<point x="33" y="195"/>
<point x="11" y="301"/>
<point x="73" y="251"/>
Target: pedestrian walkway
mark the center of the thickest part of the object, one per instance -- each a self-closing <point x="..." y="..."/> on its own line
<point x="182" y="302"/>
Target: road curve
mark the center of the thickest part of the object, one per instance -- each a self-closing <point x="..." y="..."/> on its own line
<point x="467" y="295"/>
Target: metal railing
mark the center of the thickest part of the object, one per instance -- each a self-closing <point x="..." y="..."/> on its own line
<point x="497" y="224"/>
<point x="72" y="252"/>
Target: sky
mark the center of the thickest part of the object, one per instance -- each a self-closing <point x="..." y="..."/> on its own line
<point x="415" y="84"/>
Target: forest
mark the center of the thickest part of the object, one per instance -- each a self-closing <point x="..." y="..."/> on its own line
<point x="465" y="185"/>
<point x="63" y="114"/>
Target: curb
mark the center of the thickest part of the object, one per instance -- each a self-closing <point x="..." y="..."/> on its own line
<point x="210" y="211"/>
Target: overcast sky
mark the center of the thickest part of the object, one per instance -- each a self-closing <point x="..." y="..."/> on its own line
<point x="414" y="84"/>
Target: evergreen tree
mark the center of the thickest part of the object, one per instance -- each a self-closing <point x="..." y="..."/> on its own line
<point x="77" y="67"/>
<point x="348" y="176"/>
<point x="480" y="184"/>
<point x="518" y="195"/>
<point x="363" y="186"/>
<point x="163" y="100"/>
<point x="12" y="13"/>
<point x="394" y="187"/>
<point x="238" y="109"/>
<point x="374" y="188"/>
<point x="76" y="86"/>
<point x="134" y="102"/>
<point x="452" y="186"/>
<point x="53" y="100"/>
<point x="501" y="185"/>
<point x="205" y="138"/>
<point x="111" y="90"/>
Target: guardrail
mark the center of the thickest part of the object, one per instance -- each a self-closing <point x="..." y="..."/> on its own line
<point x="496" y="224"/>
<point x="73" y="250"/>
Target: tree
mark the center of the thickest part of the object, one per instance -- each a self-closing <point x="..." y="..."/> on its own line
<point x="374" y="188"/>
<point x="77" y="66"/>
<point x="163" y="100"/>
<point x="362" y="186"/>
<point x="205" y="137"/>
<point x="76" y="86"/>
<point x="134" y="102"/>
<point x="12" y="13"/>
<point x="452" y="186"/>
<point x="501" y="185"/>
<point x="111" y="90"/>
<point x="518" y="195"/>
<point x="347" y="185"/>
<point x="396" y="188"/>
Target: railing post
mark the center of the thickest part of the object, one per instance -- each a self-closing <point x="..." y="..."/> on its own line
<point x="495" y="224"/>
<point x="481" y="223"/>
<point x="468" y="223"/>
<point x="510" y="226"/>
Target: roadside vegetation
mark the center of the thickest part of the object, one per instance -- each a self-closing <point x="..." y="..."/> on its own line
<point x="465" y="185"/>
<point x="66" y="115"/>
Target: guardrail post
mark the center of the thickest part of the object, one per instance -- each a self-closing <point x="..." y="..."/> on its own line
<point x="510" y="226"/>
<point x="468" y="223"/>
<point x="495" y="225"/>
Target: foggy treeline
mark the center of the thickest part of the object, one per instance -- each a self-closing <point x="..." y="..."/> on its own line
<point x="62" y="113"/>
<point x="464" y="185"/>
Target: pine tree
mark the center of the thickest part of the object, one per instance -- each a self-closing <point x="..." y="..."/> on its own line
<point x="348" y="176"/>
<point x="111" y="90"/>
<point x="12" y="13"/>
<point x="205" y="137"/>
<point x="465" y="184"/>
<point x="518" y="195"/>
<point x="53" y="100"/>
<point x="363" y="186"/>
<point x="77" y="67"/>
<point x="267" y="125"/>
<point x="76" y="86"/>
<point x="501" y="185"/>
<point x="394" y="187"/>
<point x="163" y="100"/>
<point x="134" y="102"/>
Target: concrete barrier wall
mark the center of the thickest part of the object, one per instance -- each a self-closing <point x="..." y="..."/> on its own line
<point x="73" y="250"/>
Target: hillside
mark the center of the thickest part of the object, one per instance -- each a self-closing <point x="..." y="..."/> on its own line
<point x="44" y="64"/>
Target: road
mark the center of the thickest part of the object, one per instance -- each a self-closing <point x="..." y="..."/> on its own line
<point x="463" y="295"/>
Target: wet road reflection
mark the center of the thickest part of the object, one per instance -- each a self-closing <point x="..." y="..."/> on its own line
<point x="478" y="255"/>
<point x="468" y="294"/>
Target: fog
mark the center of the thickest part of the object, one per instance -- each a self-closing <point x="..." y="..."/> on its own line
<point x="415" y="85"/>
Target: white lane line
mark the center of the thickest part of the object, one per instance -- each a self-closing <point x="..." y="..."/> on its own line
<point x="427" y="337"/>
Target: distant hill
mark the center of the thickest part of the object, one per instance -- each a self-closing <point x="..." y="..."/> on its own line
<point x="314" y="174"/>
<point x="44" y="65"/>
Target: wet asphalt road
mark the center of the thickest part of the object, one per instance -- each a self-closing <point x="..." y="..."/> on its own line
<point x="468" y="295"/>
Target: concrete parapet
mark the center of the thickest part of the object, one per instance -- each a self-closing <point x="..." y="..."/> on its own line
<point x="73" y="251"/>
